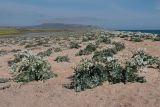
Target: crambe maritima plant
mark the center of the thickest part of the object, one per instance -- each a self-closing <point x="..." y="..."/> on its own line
<point x="48" y="52"/>
<point x="27" y="67"/>
<point x="88" y="74"/>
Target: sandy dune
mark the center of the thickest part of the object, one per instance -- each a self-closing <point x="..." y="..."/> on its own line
<point x="51" y="93"/>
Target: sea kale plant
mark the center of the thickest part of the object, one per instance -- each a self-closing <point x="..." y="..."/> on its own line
<point x="157" y="38"/>
<point x="104" y="54"/>
<point x="101" y="56"/>
<point x="88" y="74"/>
<point x="119" y="46"/>
<point x="57" y="49"/>
<point x="4" y="80"/>
<point x="74" y="44"/>
<point x="105" y="39"/>
<point x="48" y="52"/>
<point x="88" y="50"/>
<point x="26" y="67"/>
<point x="62" y="59"/>
<point x="89" y="36"/>
<point x="136" y="38"/>
<point x="141" y="59"/>
<point x="92" y="73"/>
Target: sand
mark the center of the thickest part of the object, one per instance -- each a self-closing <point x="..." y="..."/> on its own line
<point x="51" y="93"/>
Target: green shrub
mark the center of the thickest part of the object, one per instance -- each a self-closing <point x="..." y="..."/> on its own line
<point x="91" y="47"/>
<point x="62" y="59"/>
<point x="15" y="50"/>
<point x="88" y="50"/>
<point x="27" y="67"/>
<point x="119" y="46"/>
<point x="136" y="39"/>
<point x="141" y="59"/>
<point x="130" y="73"/>
<point x="88" y="75"/>
<point x="117" y="73"/>
<point x="3" y="52"/>
<point x="124" y="36"/>
<point x="74" y="45"/>
<point x="105" y="39"/>
<point x="157" y="38"/>
<point x="29" y="45"/>
<point x="88" y="36"/>
<point x="57" y="50"/>
<point x="147" y="37"/>
<point x="4" y="80"/>
<point x="48" y="52"/>
<point x="114" y="70"/>
<point x="104" y="54"/>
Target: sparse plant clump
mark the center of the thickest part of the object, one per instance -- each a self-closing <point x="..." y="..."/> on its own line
<point x="123" y="36"/>
<point x="136" y="38"/>
<point x="16" y="50"/>
<point x="88" y="50"/>
<point x="117" y="73"/>
<point x="88" y="36"/>
<point x="157" y="38"/>
<point x="141" y="59"/>
<point x="88" y="75"/>
<point x="57" y="50"/>
<point x="3" y="52"/>
<point x="105" y="39"/>
<point x="4" y="80"/>
<point x="48" y="52"/>
<point x="102" y="55"/>
<point x="62" y="59"/>
<point x="30" y="45"/>
<point x="74" y="45"/>
<point x="119" y="46"/>
<point x="27" y="67"/>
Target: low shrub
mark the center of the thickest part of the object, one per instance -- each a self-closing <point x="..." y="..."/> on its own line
<point x="105" y="39"/>
<point x="15" y="50"/>
<point x="157" y="38"/>
<point x="104" y="54"/>
<point x="88" y="36"/>
<point x="141" y="59"/>
<point x="4" y="80"/>
<point x="57" y="50"/>
<point x="48" y="52"/>
<point x="27" y="67"/>
<point x="88" y="50"/>
<point x="119" y="46"/>
<point x="62" y="59"/>
<point x="136" y="39"/>
<point x="74" y="45"/>
<point x="88" y="74"/>
<point x="123" y="36"/>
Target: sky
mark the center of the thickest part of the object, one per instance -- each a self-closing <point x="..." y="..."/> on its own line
<point x="111" y="14"/>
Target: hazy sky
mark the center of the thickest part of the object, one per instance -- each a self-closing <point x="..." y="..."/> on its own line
<point x="117" y="14"/>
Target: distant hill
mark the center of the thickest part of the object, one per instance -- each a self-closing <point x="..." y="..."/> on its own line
<point x="46" y="27"/>
<point x="62" y="26"/>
